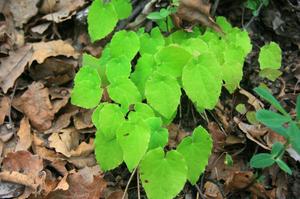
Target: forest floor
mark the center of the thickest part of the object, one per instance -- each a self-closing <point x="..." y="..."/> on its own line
<point x="46" y="144"/>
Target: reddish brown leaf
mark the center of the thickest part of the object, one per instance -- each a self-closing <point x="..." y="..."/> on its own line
<point x="4" y="108"/>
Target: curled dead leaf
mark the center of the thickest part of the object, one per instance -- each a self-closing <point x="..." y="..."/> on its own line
<point x="24" y="134"/>
<point x="35" y="104"/>
<point x="4" y="108"/>
<point x="13" y="66"/>
<point x="43" y="50"/>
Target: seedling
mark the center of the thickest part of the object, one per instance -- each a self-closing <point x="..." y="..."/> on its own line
<point x="282" y="123"/>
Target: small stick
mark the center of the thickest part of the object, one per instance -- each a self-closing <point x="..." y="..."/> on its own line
<point x="214" y="8"/>
<point x="253" y="17"/>
<point x="138" y="184"/>
<point x="127" y="186"/>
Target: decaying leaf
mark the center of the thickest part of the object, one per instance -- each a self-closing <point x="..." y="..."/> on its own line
<point x="212" y="191"/>
<point x="24" y="134"/>
<point x="36" y="105"/>
<point x="65" y="141"/>
<point x="4" y="108"/>
<point x="22" y="167"/>
<point x="86" y="183"/>
<point x="23" y="10"/>
<point x="245" y="180"/>
<point x="43" y="50"/>
<point x="197" y="12"/>
<point x="64" y="10"/>
<point x="13" y="66"/>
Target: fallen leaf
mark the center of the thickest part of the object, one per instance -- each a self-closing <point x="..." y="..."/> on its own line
<point x="64" y="10"/>
<point x="10" y="190"/>
<point x="24" y="168"/>
<point x="65" y="141"/>
<point x="252" y="100"/>
<point x="24" y="134"/>
<point x="197" y="12"/>
<point x="4" y="108"/>
<point x="83" y="119"/>
<point x="13" y="66"/>
<point x="23" y="10"/>
<point x="54" y="71"/>
<point x="82" y="185"/>
<point x="218" y="137"/>
<point x="6" y="132"/>
<point x="35" y="104"/>
<point x="83" y="161"/>
<point x="245" y="180"/>
<point x="212" y="191"/>
<point x="84" y="149"/>
<point x="176" y="134"/>
<point x="43" y="50"/>
<point x="61" y="122"/>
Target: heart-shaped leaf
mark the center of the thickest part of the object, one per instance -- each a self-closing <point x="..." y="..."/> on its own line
<point x="163" y="175"/>
<point x="194" y="147"/>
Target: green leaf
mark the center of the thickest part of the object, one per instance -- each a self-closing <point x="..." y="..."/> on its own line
<point x="232" y="68"/>
<point x="277" y="150"/>
<point x="228" y="160"/>
<point x="118" y="68"/>
<point x="266" y="95"/>
<point x="108" y="118"/>
<point x="163" y="175"/>
<point x="240" y="39"/>
<point x="143" y="70"/>
<point x="270" y="73"/>
<point x="151" y="43"/>
<point x="194" y="147"/>
<point x="87" y="91"/>
<point x="108" y="152"/>
<point x="125" y="43"/>
<point x="141" y="112"/>
<point x="159" y="136"/>
<point x="284" y="166"/>
<point x="195" y="46"/>
<point x="133" y="138"/>
<point x="162" y="14"/>
<point x="294" y="136"/>
<point x="105" y="57"/>
<point x="270" y="56"/>
<point x="163" y="94"/>
<point x="124" y="92"/>
<point x="270" y="118"/>
<point x="171" y="60"/>
<point x="123" y="8"/>
<point x="202" y="81"/>
<point x="262" y="160"/>
<point x="224" y="24"/>
<point x="298" y="108"/>
<point x="241" y="108"/>
<point x="98" y="29"/>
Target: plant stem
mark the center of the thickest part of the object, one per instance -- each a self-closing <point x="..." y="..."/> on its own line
<point x="127" y="186"/>
<point x="253" y="17"/>
<point x="138" y="184"/>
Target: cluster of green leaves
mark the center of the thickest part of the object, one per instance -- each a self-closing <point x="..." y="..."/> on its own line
<point x="146" y="96"/>
<point x="283" y="124"/>
<point x="255" y="4"/>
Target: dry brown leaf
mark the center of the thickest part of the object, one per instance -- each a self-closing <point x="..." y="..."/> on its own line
<point x="83" y="161"/>
<point x="82" y="185"/>
<point x="6" y="132"/>
<point x="13" y="66"/>
<point x="26" y="168"/>
<point x="219" y="138"/>
<point x="61" y="122"/>
<point x="35" y="104"/>
<point x="24" y="134"/>
<point x="43" y="50"/>
<point x="83" y="119"/>
<point x="23" y="10"/>
<point x="64" y="10"/>
<point x="253" y="132"/>
<point x="4" y="108"/>
<point x="212" y="191"/>
<point x="84" y="149"/>
<point x="252" y="100"/>
<point x="245" y="180"/>
<point x="54" y="71"/>
<point x="197" y="12"/>
<point x="65" y="141"/>
<point x="10" y="190"/>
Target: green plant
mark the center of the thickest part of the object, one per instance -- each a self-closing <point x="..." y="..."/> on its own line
<point x="270" y="67"/>
<point x="283" y="124"/>
<point x="132" y="129"/>
<point x="256" y="5"/>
